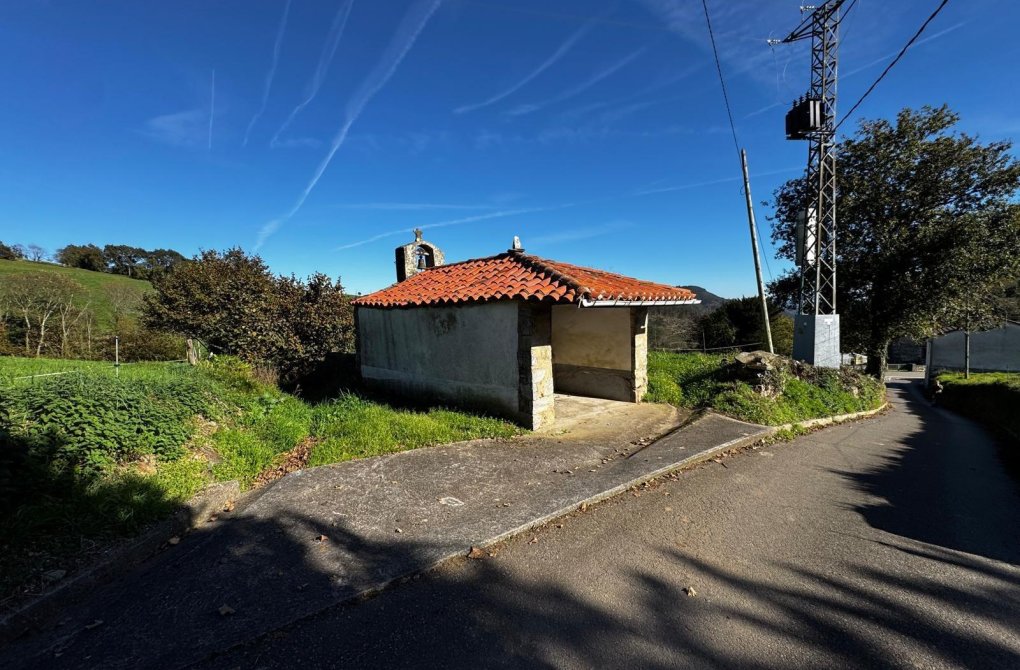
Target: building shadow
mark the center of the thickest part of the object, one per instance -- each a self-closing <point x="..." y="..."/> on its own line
<point x="946" y="485"/>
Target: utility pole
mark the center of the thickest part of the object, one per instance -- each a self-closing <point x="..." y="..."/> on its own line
<point x="754" y="250"/>
<point x="812" y="118"/>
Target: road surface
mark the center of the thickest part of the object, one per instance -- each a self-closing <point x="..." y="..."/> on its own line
<point x="893" y="542"/>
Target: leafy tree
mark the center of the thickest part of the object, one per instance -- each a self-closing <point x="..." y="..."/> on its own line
<point x="233" y="303"/>
<point x="320" y="318"/>
<point x="11" y="253"/>
<point x="84" y="256"/>
<point x="927" y="229"/>
<point x="160" y="260"/>
<point x="122" y="259"/>
<point x="738" y="322"/>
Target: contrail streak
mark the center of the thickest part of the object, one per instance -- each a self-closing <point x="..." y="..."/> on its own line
<point x="579" y="88"/>
<point x="407" y="33"/>
<point x="336" y="31"/>
<point x="548" y="208"/>
<point x="453" y="222"/>
<point x="549" y="62"/>
<point x="916" y="44"/>
<point x="272" y="72"/>
<point x="212" y="106"/>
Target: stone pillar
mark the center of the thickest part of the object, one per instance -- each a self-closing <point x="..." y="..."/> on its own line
<point x="534" y="363"/>
<point x="639" y="350"/>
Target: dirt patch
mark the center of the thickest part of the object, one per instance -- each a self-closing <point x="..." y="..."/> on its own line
<point x="291" y="461"/>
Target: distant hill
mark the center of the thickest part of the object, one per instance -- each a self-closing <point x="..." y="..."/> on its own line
<point x="101" y="288"/>
<point x="709" y="300"/>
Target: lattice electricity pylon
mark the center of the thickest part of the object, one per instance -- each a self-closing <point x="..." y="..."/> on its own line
<point x="813" y="118"/>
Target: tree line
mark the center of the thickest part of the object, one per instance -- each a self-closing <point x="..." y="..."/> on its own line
<point x="120" y="259"/>
<point x="734" y="323"/>
<point x="229" y="301"/>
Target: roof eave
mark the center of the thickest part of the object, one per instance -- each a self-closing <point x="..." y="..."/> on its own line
<point x="585" y="302"/>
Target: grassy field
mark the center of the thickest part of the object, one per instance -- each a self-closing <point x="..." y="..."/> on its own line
<point x="992" y="397"/>
<point x="98" y="286"/>
<point x="88" y="456"/>
<point x="789" y="394"/>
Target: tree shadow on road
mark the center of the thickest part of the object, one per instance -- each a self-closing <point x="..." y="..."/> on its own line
<point x="281" y="576"/>
<point x="945" y="486"/>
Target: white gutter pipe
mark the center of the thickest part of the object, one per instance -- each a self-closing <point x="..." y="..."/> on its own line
<point x="585" y="302"/>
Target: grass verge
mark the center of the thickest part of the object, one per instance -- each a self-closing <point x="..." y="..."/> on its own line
<point x="991" y="397"/>
<point x="790" y="393"/>
<point x="92" y="455"/>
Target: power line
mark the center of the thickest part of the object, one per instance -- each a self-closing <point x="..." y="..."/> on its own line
<point x="892" y="63"/>
<point x="722" y="81"/>
<point x="729" y="111"/>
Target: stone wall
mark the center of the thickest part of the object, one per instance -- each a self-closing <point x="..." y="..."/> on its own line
<point x="535" y="365"/>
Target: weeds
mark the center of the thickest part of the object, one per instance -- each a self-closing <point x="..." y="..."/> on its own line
<point x="786" y="394"/>
<point x="90" y="456"/>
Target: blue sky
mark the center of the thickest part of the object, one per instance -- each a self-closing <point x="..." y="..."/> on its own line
<point x="320" y="132"/>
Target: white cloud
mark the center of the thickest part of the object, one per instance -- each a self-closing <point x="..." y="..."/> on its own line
<point x="188" y="128"/>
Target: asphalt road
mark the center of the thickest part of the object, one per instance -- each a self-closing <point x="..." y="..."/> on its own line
<point x="893" y="542"/>
<point x="887" y="543"/>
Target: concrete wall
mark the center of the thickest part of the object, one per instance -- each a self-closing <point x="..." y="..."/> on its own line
<point x="465" y="355"/>
<point x="600" y="352"/>
<point x="996" y="350"/>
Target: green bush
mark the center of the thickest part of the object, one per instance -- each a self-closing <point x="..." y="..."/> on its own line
<point x="93" y="421"/>
<point x="790" y="393"/>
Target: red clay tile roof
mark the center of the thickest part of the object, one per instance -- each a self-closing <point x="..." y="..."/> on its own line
<point x="516" y="276"/>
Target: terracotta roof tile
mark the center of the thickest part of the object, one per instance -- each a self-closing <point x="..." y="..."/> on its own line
<point x="514" y="275"/>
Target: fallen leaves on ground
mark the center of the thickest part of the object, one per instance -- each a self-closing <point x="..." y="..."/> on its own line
<point x="476" y="553"/>
<point x="291" y="461"/>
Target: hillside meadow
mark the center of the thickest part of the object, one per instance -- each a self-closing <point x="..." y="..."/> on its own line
<point x="102" y="289"/>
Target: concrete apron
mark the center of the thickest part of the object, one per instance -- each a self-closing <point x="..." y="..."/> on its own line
<point x="319" y="537"/>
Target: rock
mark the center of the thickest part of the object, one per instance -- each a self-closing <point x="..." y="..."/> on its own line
<point x="690" y="592"/>
<point x="226" y="610"/>
<point x="758" y="360"/>
<point x="54" y="575"/>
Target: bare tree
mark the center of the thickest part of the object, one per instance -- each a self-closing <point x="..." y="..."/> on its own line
<point x="36" y="297"/>
<point x="36" y="253"/>
<point x="70" y="315"/>
<point x="125" y="302"/>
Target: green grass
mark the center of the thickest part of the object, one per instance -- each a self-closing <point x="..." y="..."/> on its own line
<point x="991" y="397"/>
<point x="352" y="427"/>
<point x="89" y="456"/>
<point x="98" y="286"/>
<point x="789" y="394"/>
